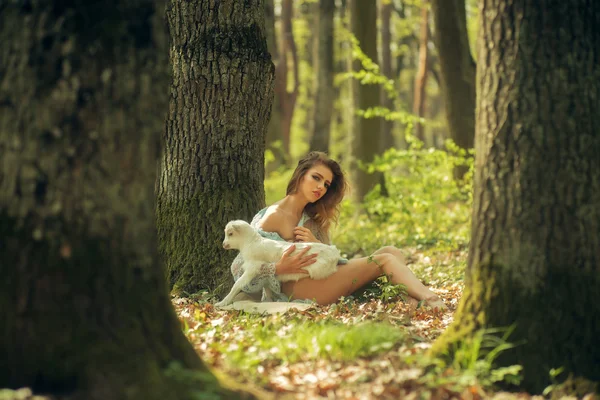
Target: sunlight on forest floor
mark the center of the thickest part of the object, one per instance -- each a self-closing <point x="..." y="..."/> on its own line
<point x="349" y="350"/>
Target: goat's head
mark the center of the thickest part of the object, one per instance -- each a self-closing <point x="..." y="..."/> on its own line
<point x="236" y="234"/>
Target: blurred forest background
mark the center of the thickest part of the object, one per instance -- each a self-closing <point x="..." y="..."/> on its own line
<point x="364" y="81"/>
<point x="507" y="235"/>
<point x="320" y="50"/>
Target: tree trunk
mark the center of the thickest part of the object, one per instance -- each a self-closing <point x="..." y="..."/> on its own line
<point x="402" y="59"/>
<point x="366" y="138"/>
<point x="385" y="61"/>
<point x="287" y="51"/>
<point x="83" y="302"/>
<point x="457" y="71"/>
<point x="323" y="83"/>
<point x="386" y="127"/>
<point x="534" y="257"/>
<point x="421" y="77"/>
<point x="274" y="139"/>
<point x="212" y="170"/>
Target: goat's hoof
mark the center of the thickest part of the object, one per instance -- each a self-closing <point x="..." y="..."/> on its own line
<point x="222" y="304"/>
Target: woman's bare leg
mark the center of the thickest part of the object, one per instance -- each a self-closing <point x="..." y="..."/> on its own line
<point x="356" y="274"/>
<point x="403" y="275"/>
<point x="346" y="280"/>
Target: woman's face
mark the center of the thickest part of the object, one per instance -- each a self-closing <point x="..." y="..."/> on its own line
<point x="315" y="183"/>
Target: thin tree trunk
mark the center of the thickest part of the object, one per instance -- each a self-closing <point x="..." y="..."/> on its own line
<point x="323" y="83"/>
<point x="366" y="138"/>
<point x="385" y="62"/>
<point x="287" y="51"/>
<point x="421" y="77"/>
<point x="385" y="15"/>
<point x="457" y="71"/>
<point x="212" y="170"/>
<point x="274" y="139"/>
<point x="83" y="302"/>
<point x="308" y="12"/>
<point x="534" y="259"/>
<point x="405" y="41"/>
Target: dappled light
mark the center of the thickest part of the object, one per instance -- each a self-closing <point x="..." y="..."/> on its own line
<point x="299" y="199"/>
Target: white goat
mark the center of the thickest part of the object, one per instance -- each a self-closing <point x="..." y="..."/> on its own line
<point x="257" y="250"/>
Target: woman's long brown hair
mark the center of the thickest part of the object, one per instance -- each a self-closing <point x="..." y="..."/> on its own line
<point x="327" y="208"/>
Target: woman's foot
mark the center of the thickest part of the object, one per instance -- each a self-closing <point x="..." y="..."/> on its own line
<point x="436" y="303"/>
<point x="413" y="304"/>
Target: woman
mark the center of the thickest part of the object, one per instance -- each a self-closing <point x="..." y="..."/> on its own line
<point x="305" y="214"/>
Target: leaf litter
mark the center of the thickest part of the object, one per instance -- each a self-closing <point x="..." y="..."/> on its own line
<point x="303" y="354"/>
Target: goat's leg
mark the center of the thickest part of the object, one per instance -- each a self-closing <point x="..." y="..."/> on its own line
<point x="245" y="279"/>
<point x="267" y="294"/>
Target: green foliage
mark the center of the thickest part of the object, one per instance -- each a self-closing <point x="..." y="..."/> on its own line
<point x="572" y="387"/>
<point x="194" y="385"/>
<point x="21" y="394"/>
<point x="383" y="289"/>
<point x="425" y="206"/>
<point x="276" y="184"/>
<point x="471" y="362"/>
<point x="261" y="341"/>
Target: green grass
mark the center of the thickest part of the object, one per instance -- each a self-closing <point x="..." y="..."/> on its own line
<point x="258" y="340"/>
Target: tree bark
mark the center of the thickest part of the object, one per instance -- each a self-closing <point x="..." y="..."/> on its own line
<point x="212" y="170"/>
<point x="366" y="138"/>
<point x="323" y="83"/>
<point x="274" y="138"/>
<point x="83" y="302"/>
<point x="287" y="51"/>
<point x="457" y="71"/>
<point x="421" y="77"/>
<point x="386" y="128"/>
<point x="534" y="258"/>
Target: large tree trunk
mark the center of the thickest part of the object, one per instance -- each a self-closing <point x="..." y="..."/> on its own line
<point x="83" y="301"/>
<point x="457" y="71"/>
<point x="274" y="137"/>
<point x="212" y="170"/>
<point x="366" y="138"/>
<point x="422" y="69"/>
<point x="534" y="257"/>
<point x="323" y="83"/>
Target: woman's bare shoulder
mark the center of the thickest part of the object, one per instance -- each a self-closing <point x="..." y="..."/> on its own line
<point x="272" y="219"/>
<point x="275" y="220"/>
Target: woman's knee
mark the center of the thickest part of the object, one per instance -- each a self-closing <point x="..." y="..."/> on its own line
<point x="383" y="259"/>
<point x="396" y="252"/>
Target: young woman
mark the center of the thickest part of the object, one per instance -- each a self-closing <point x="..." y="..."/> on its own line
<point x="305" y="214"/>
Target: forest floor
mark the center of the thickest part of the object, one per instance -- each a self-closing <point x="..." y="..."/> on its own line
<point x="373" y="348"/>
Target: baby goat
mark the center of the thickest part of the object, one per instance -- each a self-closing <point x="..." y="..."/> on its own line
<point x="257" y="250"/>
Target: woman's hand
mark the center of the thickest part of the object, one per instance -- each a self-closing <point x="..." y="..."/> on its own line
<point x="289" y="264"/>
<point x="302" y="234"/>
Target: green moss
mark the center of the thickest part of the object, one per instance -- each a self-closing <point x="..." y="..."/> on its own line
<point x="190" y="236"/>
<point x="551" y="327"/>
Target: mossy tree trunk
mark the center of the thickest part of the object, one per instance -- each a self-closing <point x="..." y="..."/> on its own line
<point x="83" y="301"/>
<point x="534" y="257"/>
<point x="323" y="82"/>
<point x="457" y="71"/>
<point x="212" y="170"/>
<point x="366" y="137"/>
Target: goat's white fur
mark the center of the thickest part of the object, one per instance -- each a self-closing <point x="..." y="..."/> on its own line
<point x="257" y="250"/>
